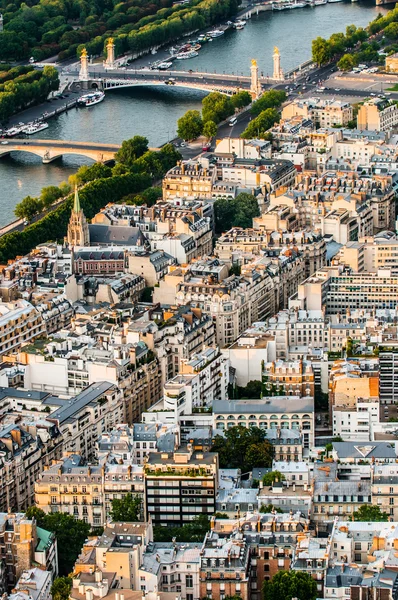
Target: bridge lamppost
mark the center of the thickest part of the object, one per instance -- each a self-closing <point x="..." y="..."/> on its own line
<point x="83" y="74"/>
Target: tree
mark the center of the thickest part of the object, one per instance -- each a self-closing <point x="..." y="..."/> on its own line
<point x="269" y="508"/>
<point x="346" y="62"/>
<point x="217" y="107"/>
<point x="369" y="513"/>
<point x="243" y="448"/>
<point x="271" y="99"/>
<point x="270" y="478"/>
<point x="131" y="150"/>
<point x="190" y="125"/>
<point x="235" y="212"/>
<point x="95" y="171"/>
<point x="194" y="531"/>
<point x="28" y="208"/>
<point x="128" y="509"/>
<point x="321" y="52"/>
<point x="259" y="126"/>
<point x="70" y="533"/>
<point x="241" y="99"/>
<point x="61" y="587"/>
<point x="286" y="585"/>
<point x="209" y="129"/>
<point x="251" y="391"/>
<point x="220" y="515"/>
<point x="49" y="195"/>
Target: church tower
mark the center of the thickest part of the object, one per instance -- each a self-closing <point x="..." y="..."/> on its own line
<point x="78" y="233"/>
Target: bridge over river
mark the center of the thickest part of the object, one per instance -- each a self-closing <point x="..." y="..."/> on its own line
<point x="50" y="150"/>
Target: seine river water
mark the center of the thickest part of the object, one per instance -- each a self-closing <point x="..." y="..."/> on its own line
<point x="153" y="112"/>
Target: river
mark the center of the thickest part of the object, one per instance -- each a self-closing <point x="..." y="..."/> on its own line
<point x="153" y="112"/>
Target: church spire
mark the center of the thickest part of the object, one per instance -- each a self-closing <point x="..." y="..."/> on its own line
<point x="76" y="204"/>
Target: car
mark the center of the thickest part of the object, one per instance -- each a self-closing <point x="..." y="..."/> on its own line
<point x="337" y="89"/>
<point x="4" y="142"/>
<point x="206" y="148"/>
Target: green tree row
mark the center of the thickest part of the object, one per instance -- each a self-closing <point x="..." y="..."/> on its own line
<point x="216" y="107"/>
<point x="25" y="90"/>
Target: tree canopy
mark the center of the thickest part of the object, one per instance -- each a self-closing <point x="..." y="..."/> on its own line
<point x="70" y="533"/>
<point x="217" y="107"/>
<point x="258" y="127"/>
<point x="369" y="513"/>
<point x="270" y="99"/>
<point x="235" y="212"/>
<point x="286" y="585"/>
<point x="194" y="531"/>
<point x="28" y="208"/>
<point x="270" y="478"/>
<point x="61" y="587"/>
<point x="131" y="150"/>
<point x="243" y="448"/>
<point x="126" y="509"/>
<point x="190" y="125"/>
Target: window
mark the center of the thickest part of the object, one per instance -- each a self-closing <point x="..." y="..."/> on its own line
<point x="266" y="568"/>
<point x="189" y="581"/>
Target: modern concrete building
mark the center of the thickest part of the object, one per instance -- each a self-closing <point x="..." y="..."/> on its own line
<point x="180" y="486"/>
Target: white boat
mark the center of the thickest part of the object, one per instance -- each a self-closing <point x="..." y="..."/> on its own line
<point x="185" y="55"/>
<point x="164" y="65"/>
<point x="91" y="99"/>
<point x="35" y="127"/>
<point x="239" y="24"/>
<point x="320" y="2"/>
<point x="14" y="130"/>
<point x="298" y="5"/>
<point x="331" y="1"/>
<point x="215" y="33"/>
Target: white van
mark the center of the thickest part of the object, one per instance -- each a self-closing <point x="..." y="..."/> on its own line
<point x="233" y="121"/>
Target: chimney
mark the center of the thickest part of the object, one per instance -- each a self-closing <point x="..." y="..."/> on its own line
<point x="98" y="576"/>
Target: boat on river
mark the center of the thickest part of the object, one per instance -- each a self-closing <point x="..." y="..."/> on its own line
<point x="35" y="127"/>
<point x="185" y="55"/>
<point x="91" y="99"/>
<point x="215" y="33"/>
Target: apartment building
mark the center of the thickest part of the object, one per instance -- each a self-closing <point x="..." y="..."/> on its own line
<point x="324" y="112"/>
<point x="385" y="489"/>
<point x="133" y="444"/>
<point x="174" y="334"/>
<point x="337" y="290"/>
<point x="255" y="347"/>
<point x="189" y="179"/>
<point x="152" y="266"/>
<point x="339" y="498"/>
<point x="388" y="378"/>
<point x="378" y="115"/>
<point x="277" y="412"/>
<point x="83" y="418"/>
<point x="25" y="449"/>
<point x="272" y="539"/>
<point x="242" y="245"/>
<point x="232" y="302"/>
<point x="86" y="491"/>
<point x="20" y="322"/>
<point x="289" y="378"/>
<point x="23" y="545"/>
<point x="180" y="486"/>
<point x="229" y="557"/>
<point x="201" y="380"/>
